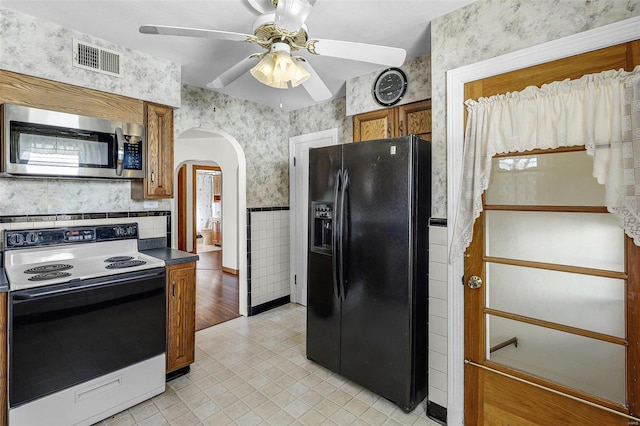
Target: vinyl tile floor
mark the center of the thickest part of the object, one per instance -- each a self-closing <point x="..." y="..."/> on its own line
<point x="253" y="371"/>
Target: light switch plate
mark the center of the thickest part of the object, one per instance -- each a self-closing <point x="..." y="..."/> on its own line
<point x="151" y="204"/>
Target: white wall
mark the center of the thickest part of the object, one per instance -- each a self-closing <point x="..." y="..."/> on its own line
<point x="202" y="148"/>
<point x="217" y="146"/>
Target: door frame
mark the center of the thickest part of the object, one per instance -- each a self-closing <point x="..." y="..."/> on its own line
<point x="598" y="38"/>
<point x="298" y="253"/>
<point x="194" y="200"/>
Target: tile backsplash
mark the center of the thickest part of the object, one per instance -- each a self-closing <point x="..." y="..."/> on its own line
<point x="267" y="254"/>
<point x="154" y="224"/>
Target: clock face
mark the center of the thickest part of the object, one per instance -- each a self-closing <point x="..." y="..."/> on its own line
<point x="390" y="86"/>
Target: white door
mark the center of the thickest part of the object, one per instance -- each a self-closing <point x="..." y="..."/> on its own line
<point x="299" y="206"/>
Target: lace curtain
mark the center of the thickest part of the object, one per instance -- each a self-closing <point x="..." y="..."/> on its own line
<point x="600" y="111"/>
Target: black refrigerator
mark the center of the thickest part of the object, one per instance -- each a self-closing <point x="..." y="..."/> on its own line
<point x="369" y="209"/>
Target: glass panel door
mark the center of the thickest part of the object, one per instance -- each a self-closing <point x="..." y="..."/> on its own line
<point x="555" y="275"/>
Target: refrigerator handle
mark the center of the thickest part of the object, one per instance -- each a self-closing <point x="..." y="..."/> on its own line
<point x="335" y="235"/>
<point x="343" y="232"/>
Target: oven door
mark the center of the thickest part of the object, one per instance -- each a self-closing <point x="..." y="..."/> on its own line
<point x="65" y="334"/>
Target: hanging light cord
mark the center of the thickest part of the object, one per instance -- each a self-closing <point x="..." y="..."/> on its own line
<point x="575" y="398"/>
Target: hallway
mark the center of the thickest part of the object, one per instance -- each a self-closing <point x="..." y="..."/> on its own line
<point x="216" y="291"/>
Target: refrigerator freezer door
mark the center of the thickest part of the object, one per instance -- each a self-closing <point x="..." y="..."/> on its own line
<point x="376" y="343"/>
<point x="323" y="302"/>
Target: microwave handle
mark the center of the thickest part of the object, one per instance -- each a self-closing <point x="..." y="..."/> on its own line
<point x="120" y="153"/>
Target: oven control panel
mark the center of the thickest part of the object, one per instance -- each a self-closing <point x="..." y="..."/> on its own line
<point x="21" y="239"/>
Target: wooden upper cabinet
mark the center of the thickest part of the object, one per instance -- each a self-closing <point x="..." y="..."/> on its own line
<point x="415" y="119"/>
<point x="374" y="125"/>
<point x="158" y="182"/>
<point x="393" y="122"/>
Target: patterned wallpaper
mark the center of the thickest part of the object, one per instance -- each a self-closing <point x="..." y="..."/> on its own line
<point x="56" y="196"/>
<point x="262" y="132"/>
<point x="43" y="49"/>
<point x="320" y="117"/>
<point x="489" y="28"/>
<point x="39" y="48"/>
<point x="418" y="71"/>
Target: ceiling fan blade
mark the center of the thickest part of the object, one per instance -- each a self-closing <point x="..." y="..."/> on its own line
<point x="233" y="73"/>
<point x="383" y="55"/>
<point x="291" y="14"/>
<point x="193" y="32"/>
<point x="314" y="86"/>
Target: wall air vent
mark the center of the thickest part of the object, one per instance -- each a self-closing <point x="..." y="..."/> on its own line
<point x="95" y="58"/>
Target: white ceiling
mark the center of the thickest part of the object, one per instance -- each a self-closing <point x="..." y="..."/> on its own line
<point x="396" y="23"/>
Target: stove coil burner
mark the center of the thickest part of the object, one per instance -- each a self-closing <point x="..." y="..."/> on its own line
<point x="118" y="259"/>
<point x="49" y="276"/>
<point x="45" y="269"/>
<point x="126" y="264"/>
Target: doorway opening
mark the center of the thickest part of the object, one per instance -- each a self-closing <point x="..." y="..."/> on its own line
<point x="207" y="208"/>
<point x="221" y="272"/>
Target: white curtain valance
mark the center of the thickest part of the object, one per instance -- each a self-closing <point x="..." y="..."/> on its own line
<point x="600" y="111"/>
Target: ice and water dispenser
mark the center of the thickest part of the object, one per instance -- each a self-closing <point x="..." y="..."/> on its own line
<point x="322" y="229"/>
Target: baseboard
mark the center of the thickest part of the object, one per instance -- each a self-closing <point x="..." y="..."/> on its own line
<point x="230" y="270"/>
<point x="255" y="310"/>
<point x="437" y="412"/>
<point x="177" y="373"/>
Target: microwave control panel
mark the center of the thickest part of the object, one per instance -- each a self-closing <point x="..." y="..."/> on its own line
<point x="132" y="153"/>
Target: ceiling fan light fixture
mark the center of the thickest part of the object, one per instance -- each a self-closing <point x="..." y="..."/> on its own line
<point x="278" y="69"/>
<point x="263" y="71"/>
<point x="301" y="74"/>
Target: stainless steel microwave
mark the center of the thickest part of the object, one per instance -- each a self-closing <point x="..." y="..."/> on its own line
<point x="39" y="142"/>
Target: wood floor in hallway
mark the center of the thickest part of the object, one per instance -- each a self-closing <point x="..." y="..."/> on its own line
<point x="216" y="291"/>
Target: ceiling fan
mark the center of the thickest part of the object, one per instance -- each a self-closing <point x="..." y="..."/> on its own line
<point x="281" y="32"/>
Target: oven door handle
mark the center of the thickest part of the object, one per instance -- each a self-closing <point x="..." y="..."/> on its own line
<point x="81" y="285"/>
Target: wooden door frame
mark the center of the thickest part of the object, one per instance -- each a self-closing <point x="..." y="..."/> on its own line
<point x="194" y="200"/>
<point x="605" y="36"/>
<point x="182" y="207"/>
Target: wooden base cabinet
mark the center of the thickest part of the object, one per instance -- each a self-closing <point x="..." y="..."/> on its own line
<point x="181" y="315"/>
<point x="413" y="118"/>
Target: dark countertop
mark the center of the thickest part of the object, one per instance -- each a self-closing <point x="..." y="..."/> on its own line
<point x="4" y="283"/>
<point x="171" y="256"/>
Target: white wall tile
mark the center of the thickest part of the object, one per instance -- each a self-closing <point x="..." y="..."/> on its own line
<point x="437" y="379"/>
<point x="438" y="361"/>
<point x="438" y="235"/>
<point x="437" y="289"/>
<point x="438" y="271"/>
<point x="438" y="396"/>
<point x="438" y="307"/>
<point x="438" y="325"/>
<point x="438" y="253"/>
<point x="438" y="343"/>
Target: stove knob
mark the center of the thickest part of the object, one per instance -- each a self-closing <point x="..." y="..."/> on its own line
<point x="16" y="239"/>
<point x="31" y="238"/>
<point x="131" y="230"/>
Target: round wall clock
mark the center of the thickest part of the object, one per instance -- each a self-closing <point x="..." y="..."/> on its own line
<point x="390" y="86"/>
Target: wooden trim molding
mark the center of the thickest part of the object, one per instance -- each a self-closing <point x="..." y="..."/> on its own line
<point x="229" y="270"/>
<point x="47" y="94"/>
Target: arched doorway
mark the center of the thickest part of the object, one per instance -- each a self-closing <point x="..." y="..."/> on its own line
<point x="215" y="147"/>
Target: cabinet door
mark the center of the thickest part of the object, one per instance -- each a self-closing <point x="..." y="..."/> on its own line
<point x="415" y="118"/>
<point x="158" y="183"/>
<point x="181" y="315"/>
<point x="374" y="125"/>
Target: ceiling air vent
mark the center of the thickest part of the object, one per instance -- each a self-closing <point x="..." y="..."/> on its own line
<point x="91" y="57"/>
